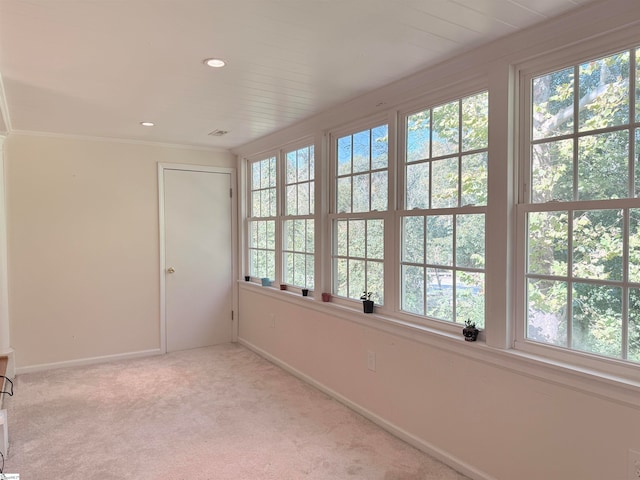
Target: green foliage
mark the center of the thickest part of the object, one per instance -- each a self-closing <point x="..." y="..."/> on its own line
<point x="591" y="241"/>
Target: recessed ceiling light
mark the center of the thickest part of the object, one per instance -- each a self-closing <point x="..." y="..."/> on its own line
<point x="215" y="62"/>
<point x="147" y="124"/>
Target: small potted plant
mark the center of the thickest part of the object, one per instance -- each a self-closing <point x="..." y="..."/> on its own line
<point x="470" y="331"/>
<point x="367" y="303"/>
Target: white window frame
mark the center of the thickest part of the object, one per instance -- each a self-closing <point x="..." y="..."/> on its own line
<point x="284" y="216"/>
<point x="403" y="212"/>
<point x="387" y="216"/>
<point x="250" y="219"/>
<point x="605" y="367"/>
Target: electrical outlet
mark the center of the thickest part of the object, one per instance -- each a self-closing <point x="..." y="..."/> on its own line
<point x="371" y="360"/>
<point x="272" y="320"/>
<point x="634" y="465"/>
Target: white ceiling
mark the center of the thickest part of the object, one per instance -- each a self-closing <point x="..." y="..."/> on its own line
<point x="99" y="67"/>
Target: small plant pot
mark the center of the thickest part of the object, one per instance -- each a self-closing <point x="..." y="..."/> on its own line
<point x="367" y="306"/>
<point x="326" y="297"/>
<point x="266" y="282"/>
<point x="470" y="334"/>
<point x="305" y="292"/>
<point x="247" y="278"/>
<point x="283" y="286"/>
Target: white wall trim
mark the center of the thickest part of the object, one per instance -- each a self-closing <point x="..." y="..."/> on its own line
<point x="426" y="447"/>
<point x="88" y="361"/>
<point x="5" y="332"/>
<point x="67" y="136"/>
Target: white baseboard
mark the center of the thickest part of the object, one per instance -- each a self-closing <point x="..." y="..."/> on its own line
<point x="426" y="447"/>
<point x="88" y="361"/>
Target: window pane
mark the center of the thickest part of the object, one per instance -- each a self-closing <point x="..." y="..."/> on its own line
<point x="309" y="281"/>
<point x="292" y="167"/>
<point x="440" y="240"/>
<point x="470" y="298"/>
<point x="417" y="187"/>
<point x="342" y="237"/>
<point x="255" y="175"/>
<point x="604" y="92"/>
<point x="303" y="199"/>
<point x="380" y="147"/>
<point x="270" y="235"/>
<point x="310" y="242"/>
<point x="597" y="244"/>
<point x="357" y="238"/>
<point x="634" y="325"/>
<point x="444" y="187"/>
<point x="375" y="239"/>
<point x="547" y="311"/>
<point x="597" y="319"/>
<point x="470" y="241"/>
<point x="603" y="166"/>
<point x="474" y="179"/>
<point x="255" y="203"/>
<point x="548" y="243"/>
<point x="344" y="195"/>
<point x="303" y="165"/>
<point x="292" y="200"/>
<point x="413" y="239"/>
<point x="440" y="294"/>
<point x="552" y="107"/>
<point x="634" y="245"/>
<point x="375" y="281"/>
<point x="379" y="189"/>
<point x="445" y="129"/>
<point x="475" y="122"/>
<point x="552" y="171"/>
<point x="361" y="193"/>
<point x="357" y="283"/>
<point x="361" y="151"/>
<point x="344" y="155"/>
<point x="341" y="269"/>
<point x="413" y="289"/>
<point x="418" y="136"/>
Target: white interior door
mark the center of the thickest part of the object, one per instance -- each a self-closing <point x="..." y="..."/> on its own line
<point x="198" y="258"/>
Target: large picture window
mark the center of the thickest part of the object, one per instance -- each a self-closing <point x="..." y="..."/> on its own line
<point x="443" y="224"/>
<point x="580" y="212"/>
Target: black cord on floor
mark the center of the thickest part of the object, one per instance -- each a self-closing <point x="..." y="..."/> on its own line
<point x="10" y="393"/>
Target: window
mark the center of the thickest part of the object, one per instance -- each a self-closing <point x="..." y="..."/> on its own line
<point x="361" y="186"/>
<point x="262" y="219"/>
<point x="443" y="224"/>
<point x="579" y="211"/>
<point x="298" y="226"/>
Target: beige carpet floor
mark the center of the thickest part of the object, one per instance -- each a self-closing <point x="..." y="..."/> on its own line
<point x="220" y="413"/>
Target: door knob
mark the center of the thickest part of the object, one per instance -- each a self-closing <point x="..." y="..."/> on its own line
<point x="171" y="270"/>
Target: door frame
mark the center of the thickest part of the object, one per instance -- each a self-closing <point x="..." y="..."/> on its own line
<point x="162" y="167"/>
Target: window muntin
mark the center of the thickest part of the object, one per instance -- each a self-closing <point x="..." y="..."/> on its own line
<point x="445" y="175"/>
<point x="262" y="224"/>
<point x="299" y="224"/>
<point x="361" y="191"/>
<point x="580" y="215"/>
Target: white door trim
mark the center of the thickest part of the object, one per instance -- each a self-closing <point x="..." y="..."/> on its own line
<point x="234" y="241"/>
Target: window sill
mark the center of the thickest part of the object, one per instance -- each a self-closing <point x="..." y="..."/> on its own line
<point x="590" y="381"/>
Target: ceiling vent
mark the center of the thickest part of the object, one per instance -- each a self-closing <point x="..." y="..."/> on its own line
<point x="218" y="133"/>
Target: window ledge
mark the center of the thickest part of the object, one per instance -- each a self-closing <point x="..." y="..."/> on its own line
<point x="609" y="387"/>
